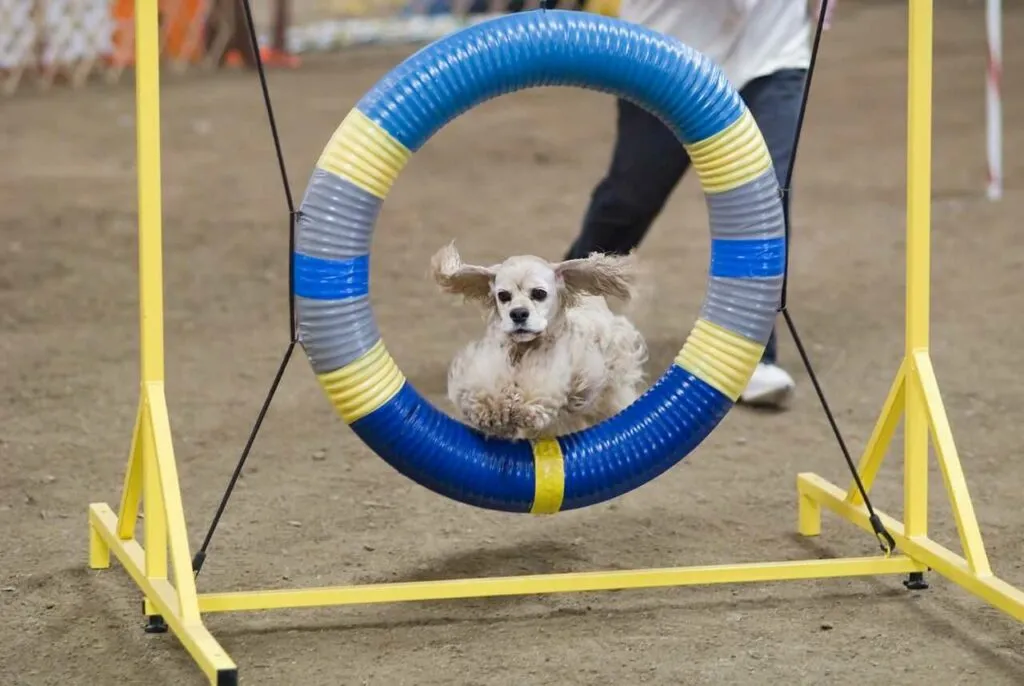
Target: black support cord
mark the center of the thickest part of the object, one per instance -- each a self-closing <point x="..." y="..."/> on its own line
<point x="885" y="539"/>
<point x="261" y="72"/>
<point x="787" y="186"/>
<point x="285" y="183"/>
<point x="200" y="557"/>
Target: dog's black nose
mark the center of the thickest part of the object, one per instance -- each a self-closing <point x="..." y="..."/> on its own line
<point x="519" y="315"/>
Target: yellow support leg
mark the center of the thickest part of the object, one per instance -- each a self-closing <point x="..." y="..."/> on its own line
<point x="164" y="527"/>
<point x="99" y="551"/>
<point x="155" y="523"/>
<point x="881" y="437"/>
<point x="921" y="549"/>
<point x="131" y="492"/>
<point x="808" y="515"/>
<point x="208" y="654"/>
<point x="949" y="462"/>
<point x="172" y="510"/>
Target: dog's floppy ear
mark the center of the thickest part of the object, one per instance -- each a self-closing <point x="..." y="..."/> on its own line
<point x="599" y="274"/>
<point x="468" y="280"/>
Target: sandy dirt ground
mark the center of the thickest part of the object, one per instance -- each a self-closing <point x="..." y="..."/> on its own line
<point x="316" y="507"/>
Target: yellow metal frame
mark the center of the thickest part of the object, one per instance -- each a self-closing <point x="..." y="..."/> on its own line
<point x="151" y="478"/>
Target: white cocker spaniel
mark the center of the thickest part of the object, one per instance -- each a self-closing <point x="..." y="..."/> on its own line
<point x="554" y="358"/>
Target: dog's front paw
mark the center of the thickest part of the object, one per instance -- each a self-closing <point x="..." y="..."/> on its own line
<point x="496" y="414"/>
<point x="536" y="418"/>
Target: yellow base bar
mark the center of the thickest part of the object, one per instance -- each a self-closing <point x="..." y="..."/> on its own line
<point x="816" y="491"/>
<point x="573" y="582"/>
<point x="203" y="647"/>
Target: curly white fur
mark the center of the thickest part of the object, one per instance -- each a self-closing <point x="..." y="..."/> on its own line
<point x="554" y="358"/>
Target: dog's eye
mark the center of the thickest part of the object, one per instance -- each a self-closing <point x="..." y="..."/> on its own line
<point x="538" y="294"/>
<point x="504" y="296"/>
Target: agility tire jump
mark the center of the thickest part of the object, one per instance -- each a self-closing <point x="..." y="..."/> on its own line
<point x="374" y="142"/>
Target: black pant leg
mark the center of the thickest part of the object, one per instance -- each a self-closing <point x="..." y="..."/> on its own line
<point x="647" y="163"/>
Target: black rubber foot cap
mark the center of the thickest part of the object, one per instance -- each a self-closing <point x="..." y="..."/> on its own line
<point x="155" y="624"/>
<point x="227" y="677"/>
<point x="915" y="582"/>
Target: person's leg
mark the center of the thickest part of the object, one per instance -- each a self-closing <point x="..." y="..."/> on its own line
<point x="774" y="101"/>
<point x="647" y="163"/>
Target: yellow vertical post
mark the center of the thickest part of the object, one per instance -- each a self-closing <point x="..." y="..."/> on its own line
<point x="151" y="297"/>
<point x="919" y="162"/>
<point x="147" y="123"/>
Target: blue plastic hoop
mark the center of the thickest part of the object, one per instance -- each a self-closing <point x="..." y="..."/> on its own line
<point x="432" y="87"/>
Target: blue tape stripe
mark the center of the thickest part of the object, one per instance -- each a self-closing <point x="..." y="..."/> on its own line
<point x="748" y="258"/>
<point x="317" y="278"/>
<point x="552" y="48"/>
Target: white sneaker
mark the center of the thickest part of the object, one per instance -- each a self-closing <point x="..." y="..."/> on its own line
<point x="769" y="386"/>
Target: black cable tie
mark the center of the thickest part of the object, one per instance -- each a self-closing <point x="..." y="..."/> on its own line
<point x="293" y="323"/>
<point x="885" y="539"/>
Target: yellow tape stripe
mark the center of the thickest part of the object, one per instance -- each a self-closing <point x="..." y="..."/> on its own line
<point x="360" y="387"/>
<point x="721" y="358"/>
<point x="549" y="466"/>
<point x="732" y="157"/>
<point x="362" y="152"/>
<point x="608" y="8"/>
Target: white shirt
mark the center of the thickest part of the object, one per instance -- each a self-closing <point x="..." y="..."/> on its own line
<point x="747" y="38"/>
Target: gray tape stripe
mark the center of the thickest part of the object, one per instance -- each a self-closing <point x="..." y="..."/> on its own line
<point x="754" y="210"/>
<point x="745" y="306"/>
<point x="336" y="218"/>
<point x="335" y="332"/>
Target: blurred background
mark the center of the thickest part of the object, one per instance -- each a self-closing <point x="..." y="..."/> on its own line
<point x="46" y="41"/>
